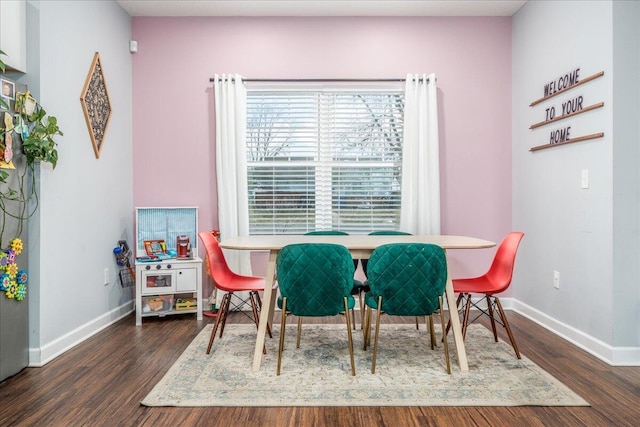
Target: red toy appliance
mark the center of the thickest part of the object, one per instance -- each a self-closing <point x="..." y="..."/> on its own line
<point x="183" y="247"/>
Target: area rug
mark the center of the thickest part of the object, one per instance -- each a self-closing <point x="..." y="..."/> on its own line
<point x="408" y="372"/>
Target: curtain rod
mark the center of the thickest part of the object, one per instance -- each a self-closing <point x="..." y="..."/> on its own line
<point x="317" y="80"/>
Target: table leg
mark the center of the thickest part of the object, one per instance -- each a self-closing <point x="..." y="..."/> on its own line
<point x="266" y="314"/>
<point x="272" y="309"/>
<point x="455" y="324"/>
<point x="199" y="291"/>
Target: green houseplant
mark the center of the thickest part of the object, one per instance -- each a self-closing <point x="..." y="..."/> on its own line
<point x="37" y="142"/>
<point x="37" y="130"/>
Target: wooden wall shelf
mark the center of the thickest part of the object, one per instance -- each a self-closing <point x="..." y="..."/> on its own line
<point x="563" y="90"/>
<point x="571" y="141"/>
<point x="566" y="116"/>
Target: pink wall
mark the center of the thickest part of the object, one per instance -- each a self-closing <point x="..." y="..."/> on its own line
<point x="173" y="101"/>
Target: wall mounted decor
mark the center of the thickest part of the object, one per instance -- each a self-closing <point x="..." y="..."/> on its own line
<point x="571" y="107"/>
<point x="96" y="105"/>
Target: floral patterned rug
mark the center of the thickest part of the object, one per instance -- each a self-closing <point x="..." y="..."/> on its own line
<point x="408" y="372"/>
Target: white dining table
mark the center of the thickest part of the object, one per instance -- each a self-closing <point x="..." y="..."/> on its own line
<point x="361" y="247"/>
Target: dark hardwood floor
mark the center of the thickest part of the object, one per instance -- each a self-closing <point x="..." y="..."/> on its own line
<point x="101" y="382"/>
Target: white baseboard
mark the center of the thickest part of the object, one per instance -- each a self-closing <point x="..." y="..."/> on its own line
<point x="40" y="356"/>
<point x="615" y="356"/>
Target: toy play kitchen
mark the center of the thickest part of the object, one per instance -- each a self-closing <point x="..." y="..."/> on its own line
<point x="168" y="277"/>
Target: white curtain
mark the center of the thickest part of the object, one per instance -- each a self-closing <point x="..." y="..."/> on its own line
<point x="420" y="209"/>
<point x="231" y="165"/>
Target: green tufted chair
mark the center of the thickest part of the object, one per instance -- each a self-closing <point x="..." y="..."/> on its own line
<point x="406" y="279"/>
<point x="315" y="279"/>
<point x="365" y="262"/>
<point x="358" y="286"/>
<point x="365" y="265"/>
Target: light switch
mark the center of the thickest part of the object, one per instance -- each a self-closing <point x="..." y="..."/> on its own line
<point x="584" y="181"/>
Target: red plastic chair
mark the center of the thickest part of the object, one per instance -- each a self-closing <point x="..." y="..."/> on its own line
<point x="497" y="279"/>
<point x="229" y="282"/>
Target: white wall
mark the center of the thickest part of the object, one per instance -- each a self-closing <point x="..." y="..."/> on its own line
<point x="578" y="232"/>
<point x="626" y="178"/>
<point x="86" y="204"/>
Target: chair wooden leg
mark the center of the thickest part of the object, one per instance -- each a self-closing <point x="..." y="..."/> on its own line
<point x="353" y="314"/>
<point x="226" y="312"/>
<point x="467" y="310"/>
<point x="283" y="327"/>
<point x="367" y="327"/>
<point x="375" y="342"/>
<point x="254" y="307"/>
<point x="349" y="336"/>
<point x="507" y="327"/>
<point x="493" y="320"/>
<point x="361" y="310"/>
<point x="444" y="338"/>
<point x="221" y="314"/>
<point x="432" y="332"/>
<point x="253" y="295"/>
<point x="451" y="314"/>
<point x="260" y="307"/>
<point x="299" y="331"/>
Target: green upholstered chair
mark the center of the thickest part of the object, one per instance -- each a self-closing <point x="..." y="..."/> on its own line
<point x="315" y="280"/>
<point x="358" y="286"/>
<point x="365" y="265"/>
<point x="406" y="279"/>
<point x="365" y="262"/>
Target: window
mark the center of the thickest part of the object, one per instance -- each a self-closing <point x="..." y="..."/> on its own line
<point x="325" y="159"/>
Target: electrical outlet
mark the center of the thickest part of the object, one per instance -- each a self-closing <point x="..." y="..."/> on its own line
<point x="106" y="276"/>
<point x="556" y="279"/>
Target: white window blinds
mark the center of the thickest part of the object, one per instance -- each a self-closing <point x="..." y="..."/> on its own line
<point x="326" y="159"/>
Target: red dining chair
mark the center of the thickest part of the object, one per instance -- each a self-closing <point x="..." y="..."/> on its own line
<point x="497" y="279"/>
<point x="229" y="282"/>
